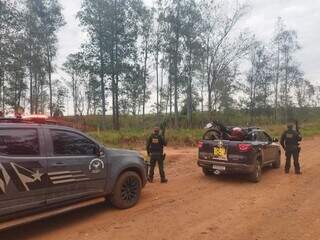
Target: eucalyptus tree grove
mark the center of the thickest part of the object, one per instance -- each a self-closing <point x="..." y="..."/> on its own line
<point x="28" y="43"/>
<point x="171" y="58"/>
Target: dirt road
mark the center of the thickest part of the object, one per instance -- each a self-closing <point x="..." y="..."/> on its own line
<point x="192" y="206"/>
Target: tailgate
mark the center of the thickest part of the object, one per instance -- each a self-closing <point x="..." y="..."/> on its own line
<point x="216" y="149"/>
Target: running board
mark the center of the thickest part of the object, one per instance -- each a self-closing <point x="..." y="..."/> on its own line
<point x="50" y="213"/>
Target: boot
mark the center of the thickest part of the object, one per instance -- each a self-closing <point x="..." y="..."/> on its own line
<point x="150" y="179"/>
<point x="164" y="180"/>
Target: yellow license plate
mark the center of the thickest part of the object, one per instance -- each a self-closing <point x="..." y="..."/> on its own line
<point x="220" y="152"/>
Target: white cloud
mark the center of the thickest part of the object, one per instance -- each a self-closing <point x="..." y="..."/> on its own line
<point x="302" y="16"/>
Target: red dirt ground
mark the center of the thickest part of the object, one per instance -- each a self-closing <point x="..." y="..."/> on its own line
<point x="192" y="206"/>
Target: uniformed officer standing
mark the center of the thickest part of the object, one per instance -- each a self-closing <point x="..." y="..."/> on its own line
<point x="155" y="145"/>
<point x="290" y="142"/>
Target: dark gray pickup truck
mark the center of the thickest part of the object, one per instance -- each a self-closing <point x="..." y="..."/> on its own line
<point x="45" y="166"/>
<point x="248" y="156"/>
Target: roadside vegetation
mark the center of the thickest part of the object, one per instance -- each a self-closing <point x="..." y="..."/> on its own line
<point x="135" y="132"/>
<point x="136" y="138"/>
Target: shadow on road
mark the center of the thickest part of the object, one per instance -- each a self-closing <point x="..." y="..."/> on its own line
<point x="31" y="230"/>
<point x="237" y="178"/>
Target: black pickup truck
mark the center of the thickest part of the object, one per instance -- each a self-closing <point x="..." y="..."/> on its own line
<point x="47" y="169"/>
<point x="248" y="156"/>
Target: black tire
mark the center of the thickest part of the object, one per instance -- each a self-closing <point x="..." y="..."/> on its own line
<point x="256" y="175"/>
<point x="127" y="190"/>
<point x="277" y="163"/>
<point x="207" y="171"/>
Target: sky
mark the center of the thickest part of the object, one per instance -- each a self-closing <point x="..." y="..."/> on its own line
<point x="300" y="15"/>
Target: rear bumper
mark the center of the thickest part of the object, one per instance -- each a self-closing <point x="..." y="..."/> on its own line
<point x="230" y="167"/>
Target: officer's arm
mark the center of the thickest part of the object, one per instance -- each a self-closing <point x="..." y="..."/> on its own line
<point x="148" y="144"/>
<point x="282" y="139"/>
<point x="299" y="137"/>
<point x="163" y="140"/>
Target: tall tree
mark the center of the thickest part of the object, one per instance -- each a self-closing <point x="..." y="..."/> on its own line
<point x="94" y="17"/>
<point x="222" y="50"/>
<point x="51" y="21"/>
<point x="146" y="31"/>
<point x="191" y="32"/>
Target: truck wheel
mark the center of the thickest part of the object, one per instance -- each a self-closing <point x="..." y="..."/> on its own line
<point x="206" y="171"/>
<point x="127" y="190"/>
<point x="277" y="163"/>
<point x="256" y="175"/>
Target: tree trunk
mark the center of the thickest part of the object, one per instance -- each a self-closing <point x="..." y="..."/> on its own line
<point x="189" y="101"/>
<point x="50" y="79"/>
<point x="277" y="84"/>
<point x="115" y="72"/>
<point x="101" y="73"/>
<point x="176" y="75"/>
<point x="74" y="95"/>
<point x="145" y="79"/>
<point x="161" y="87"/>
<point x="31" y="90"/>
<point x="286" y="90"/>
<point x="1" y="84"/>
<point x="157" y="79"/>
<point x="209" y="81"/>
<point x="3" y="97"/>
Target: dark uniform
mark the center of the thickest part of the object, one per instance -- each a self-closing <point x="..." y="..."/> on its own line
<point x="290" y="142"/>
<point x="155" y="146"/>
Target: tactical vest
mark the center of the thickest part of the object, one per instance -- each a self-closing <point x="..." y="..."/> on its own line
<point x="156" y="144"/>
<point x="291" y="138"/>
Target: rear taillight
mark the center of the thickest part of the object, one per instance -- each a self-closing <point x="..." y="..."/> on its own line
<point x="245" y="147"/>
<point x="200" y="144"/>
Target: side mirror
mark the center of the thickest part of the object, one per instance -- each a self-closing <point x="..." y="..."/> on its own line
<point x="275" y="140"/>
<point x="98" y="151"/>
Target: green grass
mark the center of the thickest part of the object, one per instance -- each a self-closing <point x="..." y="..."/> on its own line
<point x="136" y="138"/>
<point x="132" y="138"/>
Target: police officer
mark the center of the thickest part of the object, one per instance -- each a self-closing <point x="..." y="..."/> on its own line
<point x="290" y="142"/>
<point x="155" y="145"/>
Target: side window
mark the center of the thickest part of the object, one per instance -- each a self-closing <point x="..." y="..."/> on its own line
<point x="71" y="144"/>
<point x="252" y="136"/>
<point x="19" y="142"/>
<point x="263" y="137"/>
<point x="267" y="137"/>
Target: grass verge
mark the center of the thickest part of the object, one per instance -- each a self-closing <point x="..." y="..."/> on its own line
<point x="136" y="138"/>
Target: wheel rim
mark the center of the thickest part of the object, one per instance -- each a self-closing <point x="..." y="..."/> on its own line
<point x="129" y="189"/>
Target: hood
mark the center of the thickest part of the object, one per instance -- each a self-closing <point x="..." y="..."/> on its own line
<point x="122" y="152"/>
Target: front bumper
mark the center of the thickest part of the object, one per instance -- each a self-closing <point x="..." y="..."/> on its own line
<point x="230" y="167"/>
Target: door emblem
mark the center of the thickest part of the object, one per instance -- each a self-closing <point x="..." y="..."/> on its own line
<point x="96" y="165"/>
<point x="26" y="175"/>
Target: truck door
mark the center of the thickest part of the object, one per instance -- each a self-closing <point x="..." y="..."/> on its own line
<point x="266" y="146"/>
<point x="22" y="169"/>
<point x="75" y="169"/>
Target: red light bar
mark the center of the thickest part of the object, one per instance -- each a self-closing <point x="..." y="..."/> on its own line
<point x="36" y="118"/>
